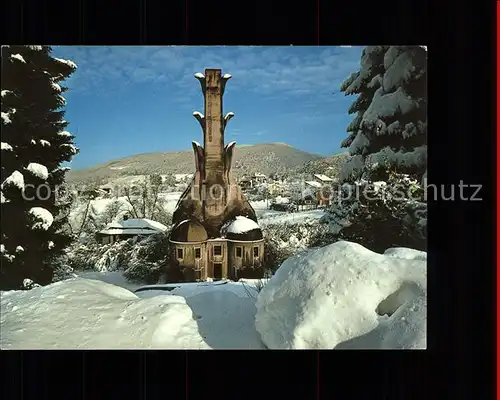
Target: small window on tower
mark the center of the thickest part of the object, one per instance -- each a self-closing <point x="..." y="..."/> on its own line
<point x="238" y="252"/>
<point x="197" y="252"/>
<point x="180" y="254"/>
<point x="217" y="250"/>
<point x="255" y="251"/>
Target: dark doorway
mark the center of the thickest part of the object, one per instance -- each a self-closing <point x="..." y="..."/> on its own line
<point x="217" y="271"/>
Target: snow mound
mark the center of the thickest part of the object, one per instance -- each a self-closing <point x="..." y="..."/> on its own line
<point x="242" y="225"/>
<point x="89" y="314"/>
<point x="39" y="170"/>
<point x="344" y="296"/>
<point x="224" y="310"/>
<point x="43" y="218"/>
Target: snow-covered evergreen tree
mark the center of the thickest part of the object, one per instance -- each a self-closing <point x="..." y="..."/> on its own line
<point x="390" y="127"/>
<point x="34" y="145"/>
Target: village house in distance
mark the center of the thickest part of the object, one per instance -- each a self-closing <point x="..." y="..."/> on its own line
<point x="215" y="233"/>
<point x="129" y="228"/>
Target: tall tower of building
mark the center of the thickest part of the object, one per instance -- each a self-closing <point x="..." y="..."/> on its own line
<point x="213" y="196"/>
<point x="215" y="233"/>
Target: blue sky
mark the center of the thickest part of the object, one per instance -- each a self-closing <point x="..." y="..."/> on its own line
<point x="130" y="100"/>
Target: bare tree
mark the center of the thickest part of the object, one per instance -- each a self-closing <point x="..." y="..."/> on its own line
<point x="147" y="203"/>
<point x="112" y="210"/>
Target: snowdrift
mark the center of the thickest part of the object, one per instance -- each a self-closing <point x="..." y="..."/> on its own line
<point x="345" y="296"/>
<point x="86" y="313"/>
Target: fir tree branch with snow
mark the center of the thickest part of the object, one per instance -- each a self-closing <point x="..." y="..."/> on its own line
<point x="35" y="143"/>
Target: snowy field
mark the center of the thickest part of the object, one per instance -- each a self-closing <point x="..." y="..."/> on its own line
<point x="290" y="218"/>
<point x="342" y="296"/>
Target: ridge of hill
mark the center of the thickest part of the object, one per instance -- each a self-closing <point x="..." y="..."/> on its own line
<point x="264" y="158"/>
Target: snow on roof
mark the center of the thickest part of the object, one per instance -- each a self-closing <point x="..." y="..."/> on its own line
<point x="323" y="178"/>
<point x="16" y="179"/>
<point x="18" y="57"/>
<point x="242" y="225"/>
<point x="39" y="170"/>
<point x="6" y="146"/>
<point x="226" y="76"/>
<point x="131" y="231"/>
<point x="313" y="183"/>
<point x="43" y="218"/>
<point x="142" y="226"/>
<point x="199" y="114"/>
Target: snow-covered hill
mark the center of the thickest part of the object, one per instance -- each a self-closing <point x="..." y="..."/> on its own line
<point x="339" y="296"/>
<point x="263" y="158"/>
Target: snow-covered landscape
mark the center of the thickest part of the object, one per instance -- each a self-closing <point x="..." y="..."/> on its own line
<point x="342" y="296"/>
<point x="121" y="257"/>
